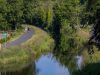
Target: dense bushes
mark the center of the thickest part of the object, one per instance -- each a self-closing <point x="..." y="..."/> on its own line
<point x="50" y="15"/>
<point x="17" y="57"/>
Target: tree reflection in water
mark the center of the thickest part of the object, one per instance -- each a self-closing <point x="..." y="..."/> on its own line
<point x="68" y="60"/>
<point x="89" y="69"/>
<point x="30" y="70"/>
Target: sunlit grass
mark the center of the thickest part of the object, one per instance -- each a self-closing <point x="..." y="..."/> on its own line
<point x="84" y="36"/>
<point x="19" y="56"/>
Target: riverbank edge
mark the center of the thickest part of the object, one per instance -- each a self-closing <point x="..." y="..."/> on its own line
<point x="18" y="57"/>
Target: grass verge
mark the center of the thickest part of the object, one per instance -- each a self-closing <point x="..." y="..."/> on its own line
<point x="17" y="57"/>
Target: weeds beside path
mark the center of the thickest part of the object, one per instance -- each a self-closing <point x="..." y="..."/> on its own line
<point x="26" y="36"/>
<point x="18" y="56"/>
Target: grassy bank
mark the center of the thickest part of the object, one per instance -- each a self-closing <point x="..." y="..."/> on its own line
<point x="20" y="56"/>
<point x="83" y="36"/>
<point x="91" y="62"/>
<point x="13" y="35"/>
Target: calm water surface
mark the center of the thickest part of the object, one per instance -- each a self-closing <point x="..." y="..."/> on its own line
<point x="46" y="65"/>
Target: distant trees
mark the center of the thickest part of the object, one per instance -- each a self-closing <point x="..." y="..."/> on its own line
<point x="3" y="11"/>
<point x="58" y="17"/>
<point x="14" y="12"/>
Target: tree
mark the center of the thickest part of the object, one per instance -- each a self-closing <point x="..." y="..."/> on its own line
<point x="4" y="25"/>
<point x="95" y="37"/>
<point x="67" y="15"/>
<point x="15" y="12"/>
<point x="29" y="11"/>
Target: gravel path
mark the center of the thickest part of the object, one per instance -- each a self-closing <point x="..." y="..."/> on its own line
<point x="26" y="36"/>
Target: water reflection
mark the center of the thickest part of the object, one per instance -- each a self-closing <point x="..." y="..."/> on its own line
<point x="30" y="70"/>
<point x="51" y="64"/>
<point x="47" y="65"/>
<point x="89" y="69"/>
<point x="79" y="61"/>
<point x="70" y="60"/>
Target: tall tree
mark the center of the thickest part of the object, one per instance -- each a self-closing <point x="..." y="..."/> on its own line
<point x="14" y="13"/>
<point x="67" y="13"/>
<point x="3" y="12"/>
<point x="95" y="37"/>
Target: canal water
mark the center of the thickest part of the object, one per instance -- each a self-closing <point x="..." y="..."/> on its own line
<point x="48" y="65"/>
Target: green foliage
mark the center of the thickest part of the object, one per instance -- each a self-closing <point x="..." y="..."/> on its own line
<point x="89" y="11"/>
<point x="61" y="18"/>
<point x="17" y="57"/>
<point x="68" y="13"/>
<point x="14" y="12"/>
<point x="67" y="36"/>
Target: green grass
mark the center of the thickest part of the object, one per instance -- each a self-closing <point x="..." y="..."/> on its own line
<point x="15" y="34"/>
<point x="19" y="56"/>
<point x="94" y="58"/>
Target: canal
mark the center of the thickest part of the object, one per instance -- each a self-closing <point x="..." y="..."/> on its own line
<point x="49" y="64"/>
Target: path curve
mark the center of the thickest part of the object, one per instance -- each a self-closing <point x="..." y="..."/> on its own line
<point x="26" y="36"/>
